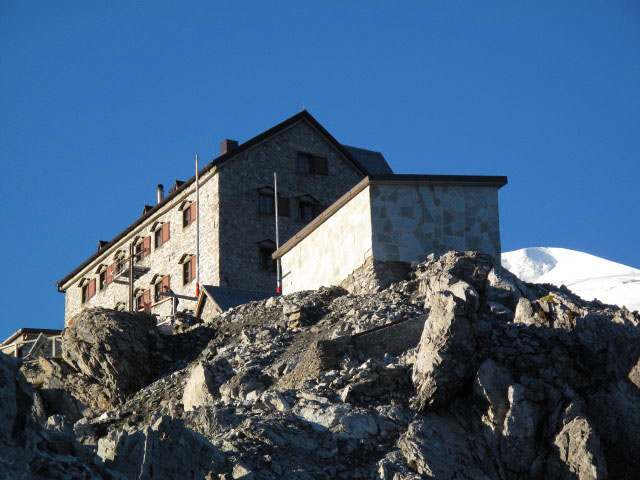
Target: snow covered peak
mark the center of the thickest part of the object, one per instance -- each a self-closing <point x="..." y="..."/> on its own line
<point x="587" y="275"/>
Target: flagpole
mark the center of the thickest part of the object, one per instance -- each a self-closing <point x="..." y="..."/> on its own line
<point x="197" y="229"/>
<point x="275" y="193"/>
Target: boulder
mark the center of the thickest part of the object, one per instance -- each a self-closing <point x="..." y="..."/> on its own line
<point x="444" y="361"/>
<point x="199" y="389"/>
<point x="111" y="347"/>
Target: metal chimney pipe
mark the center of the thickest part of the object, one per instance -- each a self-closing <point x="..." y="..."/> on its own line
<point x="160" y="192"/>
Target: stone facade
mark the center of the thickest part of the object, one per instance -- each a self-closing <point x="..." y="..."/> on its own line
<point x="395" y="219"/>
<point x="243" y="226"/>
<point x="232" y="228"/>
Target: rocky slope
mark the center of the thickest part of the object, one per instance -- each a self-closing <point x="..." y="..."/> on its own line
<point x="461" y="371"/>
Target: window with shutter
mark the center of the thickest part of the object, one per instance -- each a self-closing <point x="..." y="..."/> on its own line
<point x="189" y="215"/>
<point x="320" y="166"/>
<point x="146" y="299"/>
<point x="85" y="293"/>
<point x="189" y="270"/>
<point x="109" y="272"/>
<point x="305" y="162"/>
<point x="265" y="203"/>
<point x="102" y="284"/>
<point x="305" y="212"/>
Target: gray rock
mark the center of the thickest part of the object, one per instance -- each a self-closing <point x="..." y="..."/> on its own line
<point x="164" y="450"/>
<point x="111" y="347"/>
<point x="199" y="389"/>
<point x="445" y="352"/>
<point x="577" y="453"/>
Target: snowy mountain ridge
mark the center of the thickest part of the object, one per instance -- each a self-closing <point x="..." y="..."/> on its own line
<point x="587" y="275"/>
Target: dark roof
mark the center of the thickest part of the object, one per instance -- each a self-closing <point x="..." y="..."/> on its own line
<point x="481" y="180"/>
<point x="227" y="298"/>
<point x="216" y="163"/>
<point x="374" y="162"/>
<point x="22" y="331"/>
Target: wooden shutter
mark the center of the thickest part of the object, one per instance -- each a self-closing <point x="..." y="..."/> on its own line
<point x="165" y="232"/>
<point x="283" y="206"/>
<point x="319" y="166"/>
<point x="109" y="275"/>
<point x="146" y="247"/>
<point x="318" y="209"/>
<point x="91" y="291"/>
<point x="146" y="300"/>
<point x="192" y="212"/>
<point x="165" y="283"/>
<point x="192" y="268"/>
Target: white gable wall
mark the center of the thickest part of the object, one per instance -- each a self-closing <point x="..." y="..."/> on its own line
<point x="333" y="250"/>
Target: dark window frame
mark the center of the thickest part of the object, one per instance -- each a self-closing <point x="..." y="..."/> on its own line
<point x="267" y="263"/>
<point x="266" y="204"/>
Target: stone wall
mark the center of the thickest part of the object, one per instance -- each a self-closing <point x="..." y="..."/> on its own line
<point x="411" y="221"/>
<point x="333" y="250"/>
<point x="394" y="223"/>
<point x="243" y="226"/>
<point x="162" y="261"/>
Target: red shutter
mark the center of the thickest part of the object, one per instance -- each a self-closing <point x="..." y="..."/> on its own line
<point x="318" y="209"/>
<point x="146" y="247"/>
<point x="319" y="166"/>
<point x="165" y="232"/>
<point x="283" y="206"/>
<point x="166" y="282"/>
<point x="91" y="291"/>
<point x="192" y="212"/>
<point x="146" y="300"/>
<point x="192" y="268"/>
<point x="109" y="275"/>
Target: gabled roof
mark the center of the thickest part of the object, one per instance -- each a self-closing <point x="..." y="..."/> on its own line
<point x="227" y="298"/>
<point x="217" y="162"/>
<point x="374" y="162"/>
<point x="23" y="331"/>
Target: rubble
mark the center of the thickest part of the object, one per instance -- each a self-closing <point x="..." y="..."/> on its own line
<point x="459" y="370"/>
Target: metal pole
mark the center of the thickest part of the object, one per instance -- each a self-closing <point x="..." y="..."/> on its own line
<point x="131" y="309"/>
<point x="197" y="230"/>
<point x="275" y="193"/>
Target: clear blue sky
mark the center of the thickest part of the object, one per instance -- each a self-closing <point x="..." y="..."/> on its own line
<point x="101" y="101"/>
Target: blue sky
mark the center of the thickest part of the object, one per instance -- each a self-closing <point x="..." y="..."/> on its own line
<point x="101" y="101"/>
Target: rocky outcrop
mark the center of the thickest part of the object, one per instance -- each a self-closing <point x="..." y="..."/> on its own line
<point x="458" y="371"/>
<point x="111" y="347"/>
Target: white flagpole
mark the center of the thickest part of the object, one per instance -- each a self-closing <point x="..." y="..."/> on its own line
<point x="197" y="230"/>
<point x="275" y="193"/>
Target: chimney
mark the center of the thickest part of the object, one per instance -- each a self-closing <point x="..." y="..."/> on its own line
<point x="160" y="192"/>
<point x="228" y="145"/>
<point x="102" y="244"/>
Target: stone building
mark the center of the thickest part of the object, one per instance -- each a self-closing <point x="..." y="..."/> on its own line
<point x="32" y="343"/>
<point x="237" y="228"/>
<point x="389" y="220"/>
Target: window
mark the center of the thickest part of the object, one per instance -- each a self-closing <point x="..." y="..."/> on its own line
<point x="306" y="211"/>
<point x="308" y="163"/>
<point x="161" y="235"/>
<point x="103" y="280"/>
<point x="266" y="204"/>
<point x="142" y="248"/>
<point x="161" y="286"/>
<point x="304" y="163"/>
<point x="143" y="301"/>
<point x="88" y="290"/>
<point x="189" y="270"/>
<point x="267" y="263"/>
<point x="189" y="215"/>
<point x="85" y="293"/>
<point x="118" y="264"/>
